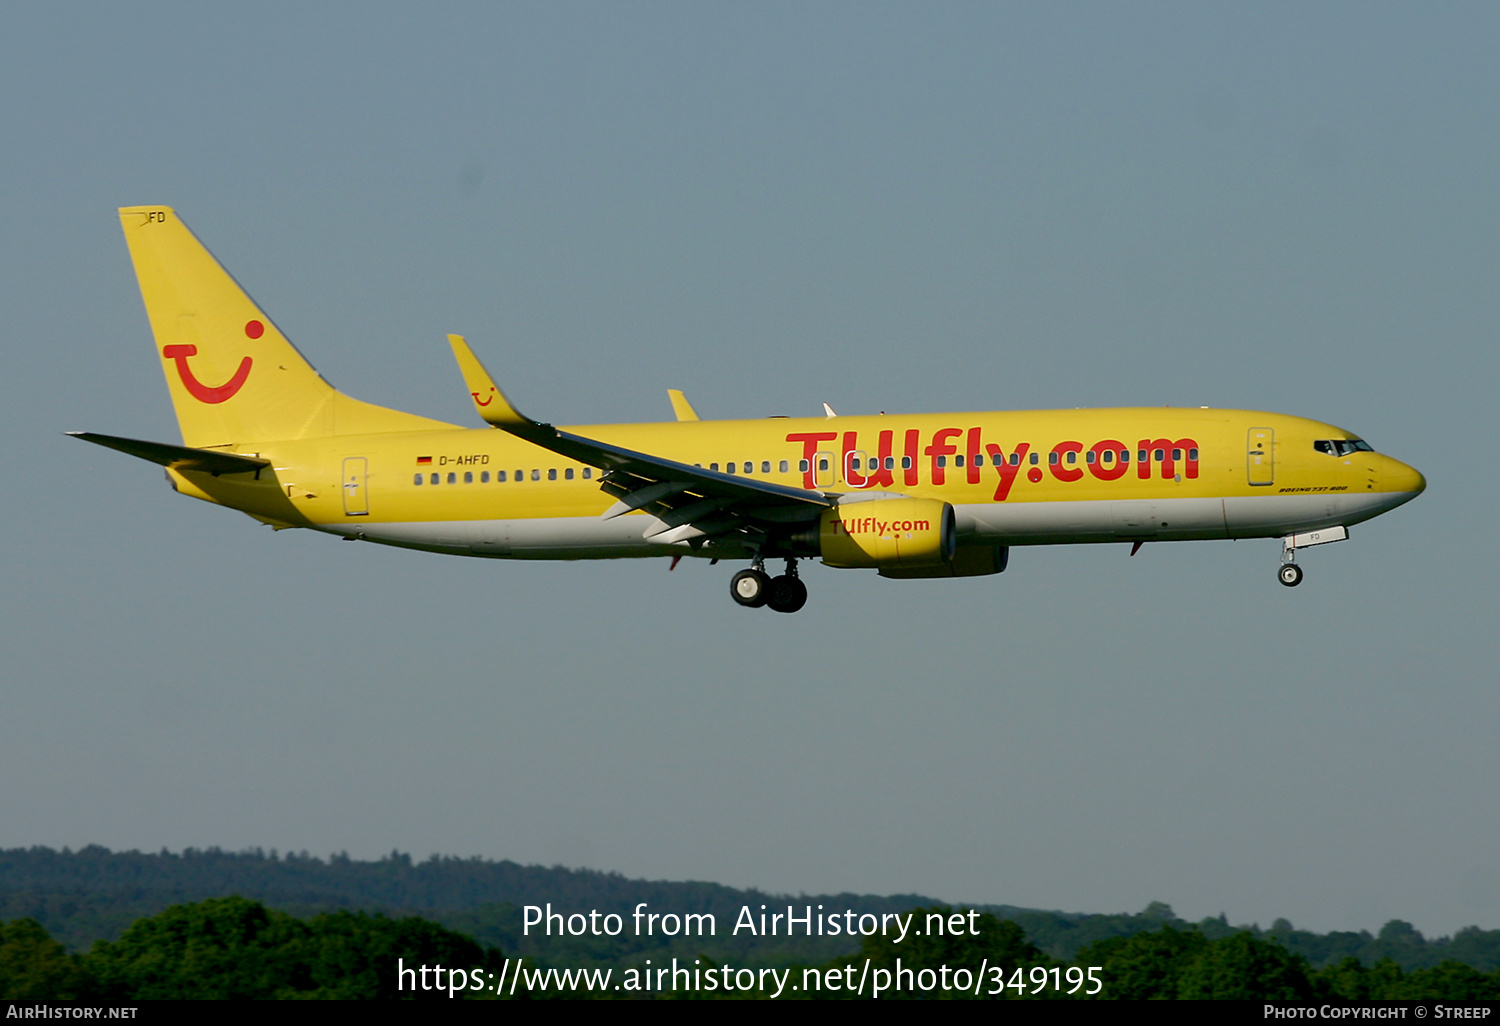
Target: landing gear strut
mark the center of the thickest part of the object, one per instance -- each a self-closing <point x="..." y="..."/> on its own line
<point x="1290" y="573"/>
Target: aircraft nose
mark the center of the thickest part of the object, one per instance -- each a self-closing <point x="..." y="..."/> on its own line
<point x="1401" y="478"/>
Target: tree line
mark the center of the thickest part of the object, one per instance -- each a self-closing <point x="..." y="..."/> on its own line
<point x="93" y="894"/>
<point x="237" y="949"/>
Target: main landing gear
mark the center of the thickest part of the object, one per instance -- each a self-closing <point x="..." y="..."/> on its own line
<point x="755" y="588"/>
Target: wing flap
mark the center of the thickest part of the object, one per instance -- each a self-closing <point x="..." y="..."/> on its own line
<point x="645" y="495"/>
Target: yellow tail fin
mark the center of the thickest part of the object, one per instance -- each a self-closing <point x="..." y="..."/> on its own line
<point x="233" y="376"/>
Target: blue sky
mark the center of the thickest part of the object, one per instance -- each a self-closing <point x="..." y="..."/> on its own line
<point x="886" y="207"/>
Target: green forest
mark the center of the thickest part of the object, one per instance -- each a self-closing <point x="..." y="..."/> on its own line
<point x="99" y="925"/>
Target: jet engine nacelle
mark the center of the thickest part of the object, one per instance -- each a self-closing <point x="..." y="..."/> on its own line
<point x="888" y="533"/>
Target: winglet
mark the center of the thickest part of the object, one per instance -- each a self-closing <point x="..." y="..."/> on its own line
<point x="489" y="401"/>
<point x="681" y="406"/>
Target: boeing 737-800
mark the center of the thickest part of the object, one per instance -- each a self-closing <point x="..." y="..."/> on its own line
<point x="907" y="495"/>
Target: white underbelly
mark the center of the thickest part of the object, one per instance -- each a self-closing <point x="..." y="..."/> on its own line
<point x="1252" y="516"/>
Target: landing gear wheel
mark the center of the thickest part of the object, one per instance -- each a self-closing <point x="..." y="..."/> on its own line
<point x="749" y="588"/>
<point x="1290" y="575"/>
<point x="787" y="594"/>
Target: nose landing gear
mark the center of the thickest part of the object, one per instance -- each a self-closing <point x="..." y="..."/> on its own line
<point x="1290" y="573"/>
<point x="754" y="588"/>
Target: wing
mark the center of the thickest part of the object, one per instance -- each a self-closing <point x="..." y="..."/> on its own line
<point x="693" y="505"/>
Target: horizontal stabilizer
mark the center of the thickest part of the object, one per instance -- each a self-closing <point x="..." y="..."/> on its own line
<point x="178" y="457"/>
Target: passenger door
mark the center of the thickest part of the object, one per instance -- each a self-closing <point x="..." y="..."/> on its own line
<point x="356" y="498"/>
<point x="1261" y="458"/>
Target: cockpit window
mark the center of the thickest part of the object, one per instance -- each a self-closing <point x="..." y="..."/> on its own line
<point x="1342" y="446"/>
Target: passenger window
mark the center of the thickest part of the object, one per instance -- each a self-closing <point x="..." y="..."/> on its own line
<point x="417" y="479"/>
<point x="978" y="459"/>
<point x="1072" y="457"/>
<point x="468" y="477"/>
<point x="942" y="461"/>
<point x="1089" y="458"/>
<point x="1158" y="454"/>
<point x="802" y="465"/>
<point x="588" y="472"/>
<point x="434" y="479"/>
<point x="906" y="463"/>
<point x="890" y="463"/>
<point x="729" y="467"/>
<point x="784" y="466"/>
<point x="1037" y="458"/>
<point x="1176" y="455"/>
<point x="1109" y="456"/>
<point x="1193" y="455"/>
<point x="520" y="475"/>
<point x="1124" y="455"/>
<point x="823" y="464"/>
<point x="453" y="479"/>
<point x="484" y="477"/>
<point x="1015" y="459"/>
<point x="568" y="473"/>
<point x="765" y="466"/>
<point x="552" y="474"/>
<point x="499" y="475"/>
<point x="713" y="466"/>
<point x="1052" y="458"/>
<point x="1140" y="456"/>
<point x="536" y="475"/>
<point x="749" y="467"/>
<point x="958" y="461"/>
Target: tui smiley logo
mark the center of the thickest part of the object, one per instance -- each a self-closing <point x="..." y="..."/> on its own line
<point x="212" y="393"/>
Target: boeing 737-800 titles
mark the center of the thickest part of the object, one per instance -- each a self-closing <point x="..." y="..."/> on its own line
<point x="910" y="496"/>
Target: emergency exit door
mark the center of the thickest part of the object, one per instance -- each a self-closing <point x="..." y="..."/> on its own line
<point x="825" y="469"/>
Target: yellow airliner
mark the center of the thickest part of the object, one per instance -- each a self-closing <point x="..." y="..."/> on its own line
<point x="908" y="495"/>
